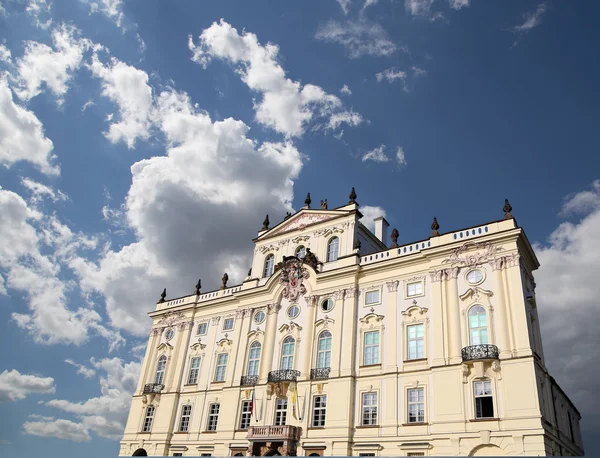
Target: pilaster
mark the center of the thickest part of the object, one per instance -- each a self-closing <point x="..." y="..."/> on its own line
<point x="454" y="328"/>
<point x="391" y="347"/>
<point x="311" y="303"/>
<point x="336" y="349"/>
<point x="438" y="303"/>
<point x="349" y="335"/>
<point x="501" y="309"/>
<point x="266" y="361"/>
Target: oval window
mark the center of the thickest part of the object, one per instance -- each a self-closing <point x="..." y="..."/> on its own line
<point x="475" y="277"/>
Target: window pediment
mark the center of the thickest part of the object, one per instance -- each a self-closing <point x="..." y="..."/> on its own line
<point x="165" y="346"/>
<point x="371" y="319"/>
<point x="414" y="312"/>
<point x="224" y="344"/>
<point x="476" y="293"/>
<point x="290" y="327"/>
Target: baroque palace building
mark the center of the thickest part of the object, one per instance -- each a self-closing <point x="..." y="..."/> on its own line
<point x="338" y="344"/>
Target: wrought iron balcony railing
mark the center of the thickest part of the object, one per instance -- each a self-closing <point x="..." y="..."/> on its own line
<point x="153" y="388"/>
<point x="249" y="380"/>
<point x="477" y="352"/>
<point x="272" y="433"/>
<point x="319" y="373"/>
<point x="283" y="375"/>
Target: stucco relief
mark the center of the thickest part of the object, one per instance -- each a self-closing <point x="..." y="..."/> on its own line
<point x="352" y="292"/>
<point x="170" y="319"/>
<point x="339" y="294"/>
<point x="436" y="275"/>
<point x="215" y="320"/>
<point x="461" y="256"/>
<point x="303" y="221"/>
<point x="301" y="238"/>
<point x="265" y="248"/>
<point x="392" y="286"/>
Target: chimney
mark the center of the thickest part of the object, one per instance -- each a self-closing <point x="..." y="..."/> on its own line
<point x="381" y="227"/>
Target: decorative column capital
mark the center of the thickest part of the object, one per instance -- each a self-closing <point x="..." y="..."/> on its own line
<point x="392" y="285"/>
<point x="351" y="292"/>
<point x="436" y="275"/>
<point x="273" y="308"/>
<point x="451" y="273"/>
<point x="339" y="294"/>
<point x="215" y="320"/>
<point x="512" y="260"/>
<point x="496" y="264"/>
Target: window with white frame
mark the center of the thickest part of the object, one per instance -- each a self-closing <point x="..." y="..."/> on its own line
<point x="246" y="415"/>
<point x="184" y="422"/>
<point x="213" y="416"/>
<point x="202" y="329"/>
<point x="372" y="297"/>
<point x="416" y="405"/>
<point x="221" y="367"/>
<point x="478" y="332"/>
<point x="319" y="411"/>
<point x="148" y="419"/>
<point x="194" y="368"/>
<point x="324" y="350"/>
<point x="259" y="317"/>
<point x="254" y="358"/>
<point x="269" y="265"/>
<point x="333" y="247"/>
<point x="369" y="409"/>
<point x="281" y="411"/>
<point x="371" y="348"/>
<point x="287" y="353"/>
<point x="160" y="370"/>
<point x="327" y="305"/>
<point x="484" y="402"/>
<point x="414" y="288"/>
<point x="416" y="341"/>
<point x="293" y="311"/>
<point x="228" y="324"/>
<point x="300" y="252"/>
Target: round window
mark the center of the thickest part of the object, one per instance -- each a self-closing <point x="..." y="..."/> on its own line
<point x="327" y="305"/>
<point x="169" y="334"/>
<point x="259" y="317"/>
<point x="475" y="277"/>
<point x="293" y="311"/>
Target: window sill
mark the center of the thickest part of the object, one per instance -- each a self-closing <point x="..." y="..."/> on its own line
<point x="181" y="432"/>
<point x="369" y="365"/>
<point x="235" y="431"/>
<point x="315" y="427"/>
<point x="145" y="432"/>
<point x="190" y="384"/>
<point x="219" y="381"/>
<point x="421" y="423"/>
<point x="483" y="419"/>
<point x="367" y="426"/>
<point x="415" y="360"/>
<point x="208" y="432"/>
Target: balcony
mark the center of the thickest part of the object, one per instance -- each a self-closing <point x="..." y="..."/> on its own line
<point x="274" y="433"/>
<point x="284" y="375"/>
<point x="152" y="388"/>
<point x="480" y="352"/>
<point x="249" y="380"/>
<point x="320" y="373"/>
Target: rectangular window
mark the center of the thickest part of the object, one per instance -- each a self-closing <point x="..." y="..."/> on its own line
<point x="416" y="405"/>
<point x="484" y="403"/>
<point x="202" y="329"/>
<point x="366" y="454"/>
<point x="414" y="289"/>
<point x="221" y="367"/>
<point x="372" y="297"/>
<point x="177" y="454"/>
<point x="246" y="414"/>
<point x="371" y="349"/>
<point x="369" y="409"/>
<point x="416" y="341"/>
<point x="148" y="419"/>
<point x="228" y="324"/>
<point x="281" y="411"/>
<point x="319" y="410"/>
<point x="194" y="368"/>
<point x="213" y="417"/>
<point x="184" y="423"/>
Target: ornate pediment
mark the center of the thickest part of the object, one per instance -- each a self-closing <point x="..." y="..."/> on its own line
<point x="371" y="318"/>
<point x="256" y="333"/>
<point x="290" y="327"/>
<point x="165" y="346"/>
<point x="414" y="311"/>
<point x="325" y="322"/>
<point x="224" y="344"/>
<point x="476" y="293"/>
<point x="302" y="220"/>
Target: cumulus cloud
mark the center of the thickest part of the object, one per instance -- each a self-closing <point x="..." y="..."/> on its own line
<point x="22" y="135"/>
<point x="345" y="90"/>
<point x="286" y="105"/>
<point x="128" y="88"/>
<point x="62" y="429"/>
<point x="81" y="369"/>
<point x="113" y="9"/>
<point x="39" y="9"/>
<point x="15" y="386"/>
<point x="359" y="37"/>
<point x="351" y="118"/>
<point x="40" y="191"/>
<point x="567" y="300"/>
<point x="369" y="214"/>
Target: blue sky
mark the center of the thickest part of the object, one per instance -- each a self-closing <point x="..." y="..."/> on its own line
<point x="143" y="142"/>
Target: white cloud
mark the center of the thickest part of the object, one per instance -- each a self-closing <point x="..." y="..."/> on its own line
<point x="128" y="88"/>
<point x="458" y="4"/>
<point x="61" y="429"/>
<point x="567" y="301"/>
<point x="369" y="3"/>
<point x="369" y="214"/>
<point x="37" y="9"/>
<point x="400" y="157"/>
<point x="105" y="415"/>
<point x="423" y="7"/>
<point x="344" y="5"/>
<point x="5" y="54"/>
<point x="286" y="105"/>
<point x="53" y="67"/>
<point x="113" y="9"/>
<point x="22" y="135"/>
<point x="532" y="19"/>
<point x="15" y="386"/>
<point x="358" y="37"/>
<point x="376" y="154"/>
<point x="39" y="191"/>
<point x="349" y="117"/>
<point x="81" y="369"/>
<point x="345" y="90"/>
<point x="86" y="105"/>
<point x="418" y="71"/>
<point x="391" y="75"/>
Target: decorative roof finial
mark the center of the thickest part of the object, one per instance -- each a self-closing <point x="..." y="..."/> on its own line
<point x="163" y="295"/>
<point x="265" y="224"/>
<point x="307" y="201"/>
<point x="224" y="281"/>
<point x="352" y="196"/>
<point x="507" y="210"/>
<point x="394" y="236"/>
<point x="324" y="204"/>
<point x="287" y="215"/>
<point x="198" y="286"/>
<point x="434" y="227"/>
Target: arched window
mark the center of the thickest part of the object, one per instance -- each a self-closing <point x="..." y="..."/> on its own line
<point x="160" y="370"/>
<point x="300" y="252"/>
<point x="254" y="358"/>
<point x="333" y="247"/>
<point x="287" y="353"/>
<point x="269" y="264"/>
<point x="478" y="332"/>
<point x="324" y="350"/>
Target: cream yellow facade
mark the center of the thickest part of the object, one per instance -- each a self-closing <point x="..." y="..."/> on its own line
<point x="430" y="348"/>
